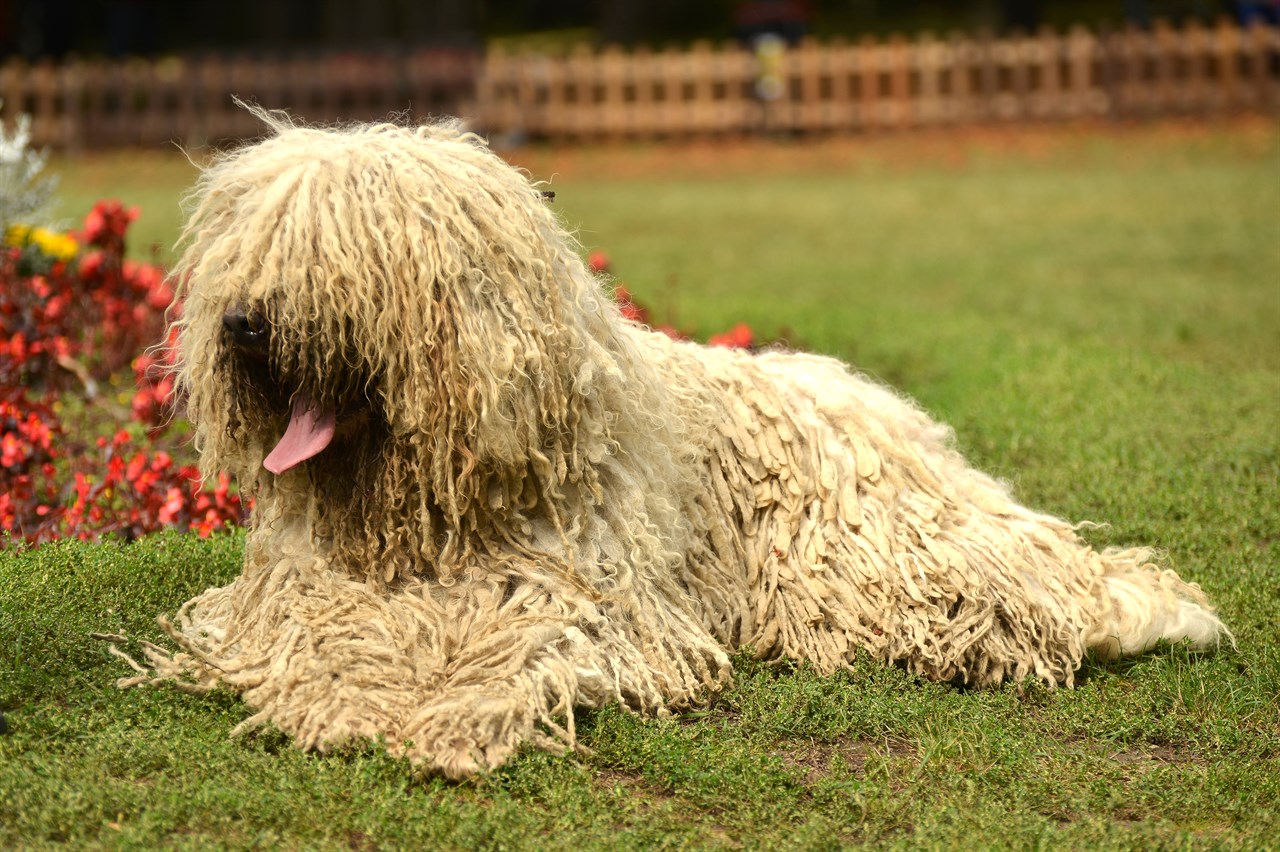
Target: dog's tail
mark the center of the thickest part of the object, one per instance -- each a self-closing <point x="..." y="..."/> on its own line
<point x="1144" y="604"/>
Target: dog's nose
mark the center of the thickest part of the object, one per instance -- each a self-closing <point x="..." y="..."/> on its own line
<point x="248" y="329"/>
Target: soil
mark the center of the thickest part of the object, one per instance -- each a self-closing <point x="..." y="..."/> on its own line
<point x="947" y="148"/>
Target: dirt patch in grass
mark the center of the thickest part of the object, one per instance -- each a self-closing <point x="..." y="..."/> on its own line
<point x="944" y="147"/>
<point x="360" y="842"/>
<point x="1157" y="754"/>
<point x="814" y="759"/>
<point x="644" y="794"/>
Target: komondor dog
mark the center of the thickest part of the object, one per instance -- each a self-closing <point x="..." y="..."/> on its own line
<point x="484" y="497"/>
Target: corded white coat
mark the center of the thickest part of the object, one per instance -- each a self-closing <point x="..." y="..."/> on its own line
<point x="532" y="503"/>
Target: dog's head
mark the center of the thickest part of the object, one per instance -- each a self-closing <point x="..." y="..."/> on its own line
<point x="388" y="324"/>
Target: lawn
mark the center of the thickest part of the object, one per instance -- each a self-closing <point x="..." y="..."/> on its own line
<point x="1096" y="312"/>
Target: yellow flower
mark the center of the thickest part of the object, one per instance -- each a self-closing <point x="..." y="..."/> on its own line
<point x="57" y="246"/>
<point x="50" y="243"/>
<point x="16" y="235"/>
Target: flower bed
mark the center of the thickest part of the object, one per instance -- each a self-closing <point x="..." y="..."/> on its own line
<point x="75" y="315"/>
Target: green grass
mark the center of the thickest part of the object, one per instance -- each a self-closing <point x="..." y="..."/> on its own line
<point x="152" y="182"/>
<point x="1101" y="324"/>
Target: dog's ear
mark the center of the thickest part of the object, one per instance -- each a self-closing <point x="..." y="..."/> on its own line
<point x="499" y="401"/>
<point x="484" y="383"/>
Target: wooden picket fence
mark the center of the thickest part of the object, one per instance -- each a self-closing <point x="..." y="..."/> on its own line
<point x="612" y="94"/>
<point x="889" y="84"/>
<point x="101" y="103"/>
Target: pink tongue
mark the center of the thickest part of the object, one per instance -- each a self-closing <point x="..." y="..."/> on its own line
<point x="309" y="431"/>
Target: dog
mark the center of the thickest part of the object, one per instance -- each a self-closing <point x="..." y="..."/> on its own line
<point x="483" y="497"/>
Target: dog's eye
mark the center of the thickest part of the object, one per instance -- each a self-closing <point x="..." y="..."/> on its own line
<point x="247" y="328"/>
<point x="257" y="325"/>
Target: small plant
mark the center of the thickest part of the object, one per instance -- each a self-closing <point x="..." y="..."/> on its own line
<point x="25" y="191"/>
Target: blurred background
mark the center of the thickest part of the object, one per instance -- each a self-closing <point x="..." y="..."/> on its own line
<point x="537" y="76"/>
<point x="116" y="73"/>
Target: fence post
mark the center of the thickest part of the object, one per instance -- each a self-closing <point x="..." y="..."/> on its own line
<point x="1226" y="42"/>
<point x="927" y="59"/>
<point x="72" y="85"/>
<point x="1088" y="95"/>
<point x="1195" y="50"/>
<point x="1262" y="49"/>
<point x="958" y="106"/>
<point x="1046" y="73"/>
<point x="643" y="77"/>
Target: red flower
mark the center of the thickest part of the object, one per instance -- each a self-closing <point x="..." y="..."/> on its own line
<point x="739" y="337"/>
<point x="598" y="261"/>
<point x="56" y="307"/>
<point x="628" y="306"/>
<point x="91" y="265"/>
<point x="107" y="222"/>
<point x="173" y="504"/>
<point x="11" y="451"/>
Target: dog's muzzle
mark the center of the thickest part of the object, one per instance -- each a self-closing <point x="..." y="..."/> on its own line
<point x="248" y="330"/>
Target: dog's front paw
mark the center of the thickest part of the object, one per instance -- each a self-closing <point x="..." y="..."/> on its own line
<point x="463" y="734"/>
